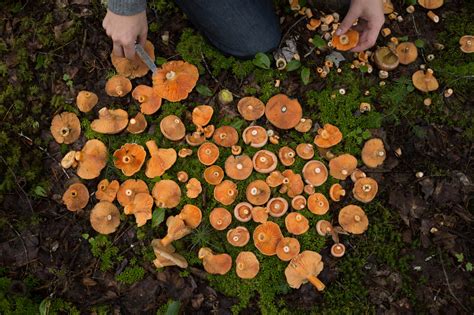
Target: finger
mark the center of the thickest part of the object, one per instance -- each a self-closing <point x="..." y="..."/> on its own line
<point x="129" y="50"/>
<point x="361" y="26"/>
<point x="142" y="37"/>
<point x="117" y="50"/>
<point x="368" y="40"/>
<point x="349" y="19"/>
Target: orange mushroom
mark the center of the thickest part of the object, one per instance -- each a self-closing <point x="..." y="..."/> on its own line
<point x="275" y="179"/>
<point x="226" y="136"/>
<point x="246" y="265"/>
<point x="251" y="108"/>
<point x="256" y="136"/>
<point x="318" y="204"/>
<point x="135" y="67"/>
<point x="304" y="125"/>
<point x="365" y="189"/>
<point x="166" y="256"/>
<point x="324" y="227"/>
<point x="293" y="184"/>
<point x="91" y="159"/>
<point x="208" y="131"/>
<point x="313" y="24"/>
<point x="296" y="223"/>
<point x="336" y="192"/>
<point x="137" y="124"/>
<point x="283" y="112"/>
<point x="150" y="101"/>
<point x="69" y="160"/>
<point x="309" y="189"/>
<point x="213" y="175"/>
<point x="239" y="236"/>
<point x="65" y="128"/>
<point x="353" y="219"/>
<point x="407" y="53"/>
<point x="107" y="191"/>
<point x="182" y="176"/>
<point x="315" y="173"/>
<point x="287" y="248"/>
<point x="258" y="192"/>
<point x="243" y="211"/>
<point x="264" y="161"/>
<point x="342" y="166"/>
<point x="386" y="58"/>
<point x="160" y="160"/>
<point x="215" y="264"/>
<point x="175" y="80"/>
<point x="76" y="197"/>
<point x="140" y="207"/>
<point x="86" y="100"/>
<point x="105" y="217"/>
<point x="202" y="115"/>
<point x="303" y="268"/>
<point x="110" y="121"/>
<point x="177" y="229"/>
<point x="266" y="237"/>
<point x="166" y="193"/>
<point x="387" y="6"/>
<point x="236" y="149"/>
<point x="191" y="215"/>
<point x="129" y="158"/>
<point x="373" y="153"/>
<point x="226" y="192"/>
<point x="467" y="44"/>
<point x="220" y="218"/>
<point x="346" y="41"/>
<point x="305" y="151"/>
<point x="208" y="153"/>
<point x="431" y="4"/>
<point x="238" y="167"/>
<point x="357" y="174"/>
<point x="298" y="202"/>
<point x="425" y="81"/>
<point x="338" y="250"/>
<point x="185" y="152"/>
<point x="172" y="128"/>
<point x="328" y="136"/>
<point x="129" y="189"/>
<point x="196" y="138"/>
<point x="287" y="156"/>
<point x="118" y="86"/>
<point x="277" y="207"/>
<point x="193" y="188"/>
<point x="259" y="214"/>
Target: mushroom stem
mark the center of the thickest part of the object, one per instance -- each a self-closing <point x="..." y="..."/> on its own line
<point x="170" y="75"/>
<point x="152" y="147"/>
<point x="316" y="282"/>
<point x="165" y="241"/>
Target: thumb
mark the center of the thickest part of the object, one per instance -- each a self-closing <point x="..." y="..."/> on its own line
<point x="349" y="19"/>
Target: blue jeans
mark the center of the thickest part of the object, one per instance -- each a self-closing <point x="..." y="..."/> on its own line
<point x="239" y="28"/>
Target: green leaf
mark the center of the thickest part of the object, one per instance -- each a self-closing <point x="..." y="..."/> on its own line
<point x="39" y="191"/>
<point x="364" y="68"/>
<point x="420" y="43"/>
<point x="173" y="308"/>
<point x="459" y="257"/>
<point x="293" y="65"/>
<point x="305" y="75"/>
<point x="45" y="306"/>
<point x="318" y="42"/>
<point x="157" y="217"/>
<point x="261" y="60"/>
<point x="85" y="236"/>
<point x="204" y="90"/>
<point x="469" y="266"/>
<point x="410" y="2"/>
<point x="160" y="60"/>
<point x="403" y="39"/>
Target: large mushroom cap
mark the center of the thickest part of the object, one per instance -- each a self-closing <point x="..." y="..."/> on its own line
<point x="296" y="223"/>
<point x="258" y="192"/>
<point x="166" y="193"/>
<point x="175" y="80"/>
<point x="226" y="136"/>
<point x="365" y="189"/>
<point x="243" y="211"/>
<point x="259" y="214"/>
<point x="140" y="207"/>
<point x="129" y="158"/>
<point x="91" y="159"/>
<point x="76" y="197"/>
<point x="425" y="81"/>
<point x="150" y="101"/>
<point x="292" y="184"/>
<point x="220" y="218"/>
<point x="166" y="256"/>
<point x="251" y="108"/>
<point x="202" y="115"/>
<point x="328" y="136"/>
<point x="107" y="191"/>
<point x="226" y="192"/>
<point x="431" y="4"/>
<point x="239" y="236"/>
<point x="137" y="124"/>
<point x="346" y="41"/>
<point x="86" y="100"/>
<point x="215" y="264"/>
<point x="407" y="53"/>
<point x="129" y="189"/>
<point x="266" y="237"/>
<point x="287" y="248"/>
<point x="318" y="204"/>
<point x="65" y="128"/>
<point x="256" y="136"/>
<point x="386" y="59"/>
<point x="213" y="175"/>
<point x="467" y="44"/>
<point x="283" y="112"/>
<point x="160" y="161"/>
<point x="105" y="217"/>
<point x="277" y="207"/>
<point x="353" y="219"/>
<point x="191" y="215"/>
<point x="342" y="166"/>
<point x="238" y="167"/>
<point x="247" y="265"/>
<point x="287" y="156"/>
<point x="110" y="121"/>
<point x="315" y="173"/>
<point x="303" y="268"/>
<point x="172" y="128"/>
<point x="208" y="153"/>
<point x="118" y="86"/>
<point x="264" y="161"/>
<point x="135" y="67"/>
<point x="373" y="153"/>
<point x="305" y="151"/>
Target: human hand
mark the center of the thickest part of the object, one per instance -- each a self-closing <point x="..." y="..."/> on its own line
<point x="370" y="20"/>
<point x="125" y="31"/>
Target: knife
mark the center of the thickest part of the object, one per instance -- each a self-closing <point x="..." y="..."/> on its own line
<point x="145" y="58"/>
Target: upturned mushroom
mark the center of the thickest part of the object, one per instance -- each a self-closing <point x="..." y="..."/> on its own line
<point x="110" y="121"/>
<point x="365" y="189"/>
<point x="407" y="53"/>
<point x="336" y="192"/>
<point x="140" y="207"/>
<point x="172" y="128"/>
<point x="196" y="138"/>
<point x="247" y="265"/>
<point x="137" y="124"/>
<point x="86" y="100"/>
<point x="191" y="215"/>
<point x="256" y="136"/>
<point x="353" y="219"/>
<point x="226" y="136"/>
<point x="107" y="191"/>
<point x="177" y="229"/>
<point x="287" y="156"/>
<point x="160" y="160"/>
<point x="166" y="193"/>
<point x="129" y="189"/>
<point x="425" y="81"/>
<point x="328" y="136"/>
<point x="202" y="115"/>
<point x="118" y="86"/>
<point x="277" y="207"/>
<point x="298" y="202"/>
<point x="251" y="108"/>
<point x="342" y="166"/>
<point x="166" y="256"/>
<point x="213" y="175"/>
<point x="238" y="236"/>
<point x="318" y="204"/>
<point x="303" y="268"/>
<point x="76" y="197"/>
<point x="220" y="218"/>
<point x="305" y="151"/>
<point x="193" y="188"/>
<point x="258" y="192"/>
<point x="65" y="128"/>
<point x="105" y="217"/>
<point x="129" y="158"/>
<point x="315" y="173"/>
<point x="69" y="160"/>
<point x="259" y="214"/>
<point x="150" y="101"/>
<point x="175" y="80"/>
<point x="208" y="153"/>
<point x="238" y="167"/>
<point x="208" y="131"/>
<point x="373" y="153"/>
<point x="275" y="179"/>
<point x="386" y="59"/>
<point x="467" y="44"/>
<point x="218" y="264"/>
<point x="357" y="174"/>
<point x="287" y="248"/>
<point x="243" y="211"/>
<point x="293" y="184"/>
<point x="283" y="112"/>
<point x="264" y="161"/>
<point x="266" y="237"/>
<point x="304" y="125"/>
<point x="236" y="149"/>
<point x="226" y="192"/>
<point x="91" y="159"/>
<point x="296" y="223"/>
<point x="135" y="67"/>
<point x="184" y="152"/>
<point x="338" y="250"/>
<point x="345" y="41"/>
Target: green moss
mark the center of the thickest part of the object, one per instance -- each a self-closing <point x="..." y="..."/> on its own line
<point x="131" y="275"/>
<point x="102" y="248"/>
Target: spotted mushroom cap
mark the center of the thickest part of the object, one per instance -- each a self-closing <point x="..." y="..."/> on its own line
<point x="238" y="167"/>
<point x="266" y="237"/>
<point x="251" y="108"/>
<point x="283" y="112"/>
<point x="220" y="218"/>
<point x="353" y="219"/>
<point x="76" y="197"/>
<point x="247" y="265"/>
<point x="65" y="128"/>
<point x="105" y="217"/>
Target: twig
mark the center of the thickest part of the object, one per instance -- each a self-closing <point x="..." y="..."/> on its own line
<point x="207" y="68"/>
<point x="16" y="182"/>
<point x="414" y="24"/>
<point x="290" y="28"/>
<point x="22" y="243"/>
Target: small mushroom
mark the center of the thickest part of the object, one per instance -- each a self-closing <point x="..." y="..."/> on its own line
<point x="283" y="112"/>
<point x="357" y="174"/>
<point x="247" y="265"/>
<point x="373" y="153"/>
<point x="177" y="229"/>
<point x="266" y="237"/>
<point x="215" y="264"/>
<point x="160" y="160"/>
<point x="185" y="152"/>
<point x="196" y="138"/>
<point x="191" y="215"/>
<point x="256" y="136"/>
<point x="76" y="197"/>
<point x="425" y="81"/>
<point x="298" y="202"/>
<point x="150" y="101"/>
<point x="315" y="173"/>
<point x="303" y="268"/>
<point x="238" y="167"/>
<point x="264" y="161"/>
<point x="86" y="100"/>
<point x="467" y="44"/>
<point x="226" y="136"/>
<point x="236" y="149"/>
<point x="258" y="192"/>
<point x="305" y="151"/>
<point x="353" y="219"/>
<point x="328" y="136"/>
<point x="243" y="211"/>
<point x="259" y="214"/>
<point x="129" y="158"/>
<point x="387" y="6"/>
<point x="105" y="217"/>
<point x="275" y="179"/>
<point x="296" y="223"/>
<point x="208" y="153"/>
<point x="251" y="108"/>
<point x="208" y="131"/>
<point x="118" y="86"/>
<point x="239" y="236"/>
<point x="137" y="124"/>
<point x="226" y="192"/>
<point x="407" y="53"/>
<point x="309" y="189"/>
<point x="172" y="128"/>
<point x="338" y="250"/>
<point x="175" y="80"/>
<point x="107" y="191"/>
<point x="193" y="188"/>
<point x="129" y="189"/>
<point x="140" y="207"/>
<point x="166" y="193"/>
<point x="277" y="207"/>
<point x="287" y="156"/>
<point x="110" y="121"/>
<point x="166" y="256"/>
<point x="365" y="189"/>
<point x="313" y="24"/>
<point x="213" y="175"/>
<point x="342" y="166"/>
<point x="318" y="204"/>
<point x="304" y="125"/>
<point x="324" y="227"/>
<point x="293" y="184"/>
<point x="65" y="128"/>
<point x="336" y="192"/>
<point x="287" y="248"/>
<point x="69" y="160"/>
<point x="91" y="159"/>
<point x="202" y="115"/>
<point x="345" y="41"/>
<point x="182" y="176"/>
<point x="220" y="218"/>
<point x="386" y="59"/>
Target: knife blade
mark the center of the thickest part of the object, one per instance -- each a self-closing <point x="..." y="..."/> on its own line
<point x="145" y="58"/>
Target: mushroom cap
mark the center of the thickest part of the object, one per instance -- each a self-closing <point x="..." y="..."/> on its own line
<point x="105" y="217"/>
<point x="264" y="161"/>
<point x="328" y="136"/>
<point x="208" y="131"/>
<point x="296" y="223"/>
<point x="166" y="193"/>
<point x="243" y="211"/>
<point x="191" y="215"/>
<point x="303" y="268"/>
<point x="425" y="81"/>
<point x="287" y="156"/>
<point x="431" y="4"/>
<point x="256" y="136"/>
<point x="208" y="153"/>
<point x="172" y="128"/>
<point x="238" y="167"/>
<point x="277" y="207"/>
<point x="177" y="229"/>
<point x="137" y="124"/>
<point x="226" y="192"/>
<point x="196" y="138"/>
<point x="387" y="6"/>
<point x="65" y="128"/>
<point x="336" y="192"/>
<point x="259" y="214"/>
<point x="315" y="173"/>
<point x="309" y="189"/>
<point x="386" y="59"/>
<point x="140" y="207"/>
<point x="86" y="100"/>
<point x="110" y="121"/>
<point x="407" y="53"/>
<point x="318" y="204"/>
<point x="251" y="108"/>
<point x="76" y="197"/>
<point x="258" y="192"/>
<point x="287" y="248"/>
<point x="467" y="44"/>
<point x="175" y="80"/>
<point x="202" y="115"/>
<point x="266" y="237"/>
<point x="220" y="218"/>
<point x="294" y="185"/>
<point x="129" y="189"/>
<point x="338" y="250"/>
<point x="365" y="189"/>
<point x="275" y="179"/>
<point x="324" y="227"/>
<point x="135" y="67"/>
<point x="150" y="101"/>
<point x="238" y="236"/>
<point x="215" y="264"/>
<point x="182" y="176"/>
<point x="184" y="152"/>
<point x="305" y="151"/>
<point x="129" y="158"/>
<point x="247" y="265"/>
<point x="283" y="112"/>
<point x="373" y="153"/>
<point x="353" y="219"/>
<point x="91" y="159"/>
<point x="236" y="149"/>
<point x="345" y="41"/>
<point x="357" y="174"/>
<point x="298" y="202"/>
<point x="118" y="86"/>
<point x="226" y="136"/>
<point x="213" y="175"/>
<point x="69" y="160"/>
<point x="107" y="191"/>
<point x="193" y="188"/>
<point x="342" y="166"/>
<point x="304" y="125"/>
<point x="160" y="161"/>
<point x="166" y="256"/>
